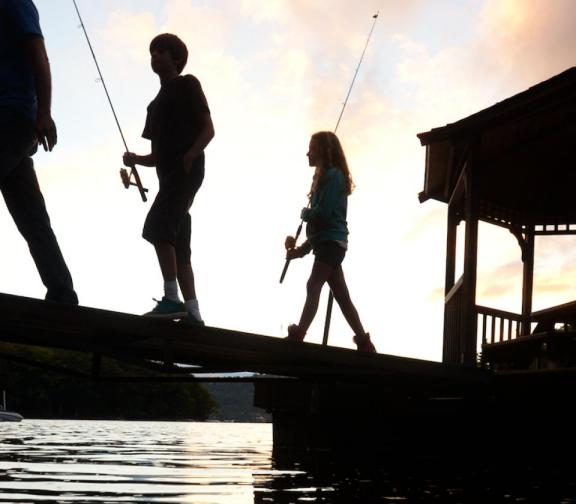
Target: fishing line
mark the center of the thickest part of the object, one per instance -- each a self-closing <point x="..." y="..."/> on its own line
<point x="299" y="230"/>
<point x="133" y="172"/>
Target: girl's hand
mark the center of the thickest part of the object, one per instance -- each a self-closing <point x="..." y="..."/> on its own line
<point x="290" y="242"/>
<point x="294" y="253"/>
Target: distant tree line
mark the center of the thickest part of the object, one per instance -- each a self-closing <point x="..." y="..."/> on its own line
<point x="40" y="393"/>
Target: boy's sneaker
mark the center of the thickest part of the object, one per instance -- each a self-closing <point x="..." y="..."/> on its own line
<point x="191" y="320"/>
<point x="166" y="308"/>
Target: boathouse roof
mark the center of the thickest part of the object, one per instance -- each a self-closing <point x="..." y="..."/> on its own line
<point x="524" y="153"/>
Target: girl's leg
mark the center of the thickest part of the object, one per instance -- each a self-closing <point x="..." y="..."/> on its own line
<point x="342" y="296"/>
<point x="321" y="272"/>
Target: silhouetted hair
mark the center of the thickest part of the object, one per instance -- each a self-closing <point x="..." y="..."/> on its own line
<point x="172" y="44"/>
<point x="331" y="155"/>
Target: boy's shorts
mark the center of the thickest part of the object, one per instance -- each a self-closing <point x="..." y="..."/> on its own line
<point x="329" y="252"/>
<point x="168" y="220"/>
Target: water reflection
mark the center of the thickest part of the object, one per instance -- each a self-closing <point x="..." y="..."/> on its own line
<point x="207" y="463"/>
<point x="68" y="461"/>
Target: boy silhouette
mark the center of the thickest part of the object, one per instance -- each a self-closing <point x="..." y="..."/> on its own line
<point x="179" y="126"/>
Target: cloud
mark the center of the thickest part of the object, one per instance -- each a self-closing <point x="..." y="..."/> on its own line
<point x="433" y="218"/>
<point x="528" y="41"/>
<point x="512" y="47"/>
<point x="128" y="34"/>
<point x="275" y="71"/>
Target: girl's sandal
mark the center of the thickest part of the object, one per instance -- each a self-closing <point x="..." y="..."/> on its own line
<point x="295" y="333"/>
<point x="364" y="344"/>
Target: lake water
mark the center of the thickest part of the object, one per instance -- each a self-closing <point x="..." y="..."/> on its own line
<point x="43" y="461"/>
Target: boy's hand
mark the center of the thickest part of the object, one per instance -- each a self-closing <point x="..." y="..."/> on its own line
<point x="290" y="242"/>
<point x="129" y="159"/>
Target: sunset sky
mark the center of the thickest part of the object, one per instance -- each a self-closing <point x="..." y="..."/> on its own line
<point x="274" y="72"/>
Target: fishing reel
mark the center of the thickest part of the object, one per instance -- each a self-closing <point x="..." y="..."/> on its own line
<point x="127" y="181"/>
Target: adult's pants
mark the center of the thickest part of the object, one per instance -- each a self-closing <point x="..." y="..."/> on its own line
<point x="25" y="202"/>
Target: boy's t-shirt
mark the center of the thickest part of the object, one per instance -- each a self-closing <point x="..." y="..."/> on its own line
<point x="173" y="122"/>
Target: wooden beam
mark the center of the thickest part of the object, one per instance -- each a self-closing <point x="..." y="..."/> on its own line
<point x="34" y="322"/>
<point x="469" y="316"/>
<point x="527" y="279"/>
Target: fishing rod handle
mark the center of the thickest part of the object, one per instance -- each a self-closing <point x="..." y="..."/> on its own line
<point x="287" y="263"/>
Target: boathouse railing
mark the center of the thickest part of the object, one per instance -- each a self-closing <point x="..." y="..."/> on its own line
<point x="498" y="325"/>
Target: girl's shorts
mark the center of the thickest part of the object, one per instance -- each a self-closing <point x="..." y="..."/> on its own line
<point x="329" y="252"/>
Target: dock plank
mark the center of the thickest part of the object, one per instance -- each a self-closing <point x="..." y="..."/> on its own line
<point x="35" y="322"/>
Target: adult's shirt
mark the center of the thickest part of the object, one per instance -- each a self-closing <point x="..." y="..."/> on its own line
<point x="174" y="121"/>
<point x="19" y="20"/>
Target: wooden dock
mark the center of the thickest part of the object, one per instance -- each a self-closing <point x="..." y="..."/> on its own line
<point x="323" y="400"/>
<point x="135" y="338"/>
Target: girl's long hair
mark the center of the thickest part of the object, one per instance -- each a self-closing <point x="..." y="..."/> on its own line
<point x="331" y="155"/>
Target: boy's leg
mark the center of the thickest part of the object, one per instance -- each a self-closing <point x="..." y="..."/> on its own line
<point x="160" y="230"/>
<point x="186" y="281"/>
<point x="185" y="272"/>
<point x="167" y="261"/>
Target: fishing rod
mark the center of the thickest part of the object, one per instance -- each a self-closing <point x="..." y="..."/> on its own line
<point x="124" y="175"/>
<point x="299" y="230"/>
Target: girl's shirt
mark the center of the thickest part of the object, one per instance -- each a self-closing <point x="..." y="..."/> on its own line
<point x="326" y="216"/>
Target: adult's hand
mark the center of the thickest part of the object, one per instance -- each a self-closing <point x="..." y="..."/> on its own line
<point x="46" y="132"/>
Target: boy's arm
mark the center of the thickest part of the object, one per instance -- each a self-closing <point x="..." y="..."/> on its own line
<point x="130" y="159"/>
<point x="202" y="140"/>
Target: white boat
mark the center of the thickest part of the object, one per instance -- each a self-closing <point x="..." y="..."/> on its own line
<point x="8" y="416"/>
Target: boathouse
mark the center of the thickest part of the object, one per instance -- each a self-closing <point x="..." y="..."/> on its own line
<point x="511" y="165"/>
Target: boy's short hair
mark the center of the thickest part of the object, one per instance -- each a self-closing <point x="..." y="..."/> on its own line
<point x="172" y="44"/>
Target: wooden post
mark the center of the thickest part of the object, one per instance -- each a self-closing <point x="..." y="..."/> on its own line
<point x="469" y="318"/>
<point x="451" y="238"/>
<point x="328" y="319"/>
<point x="527" y="279"/>
<point x="449" y="352"/>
